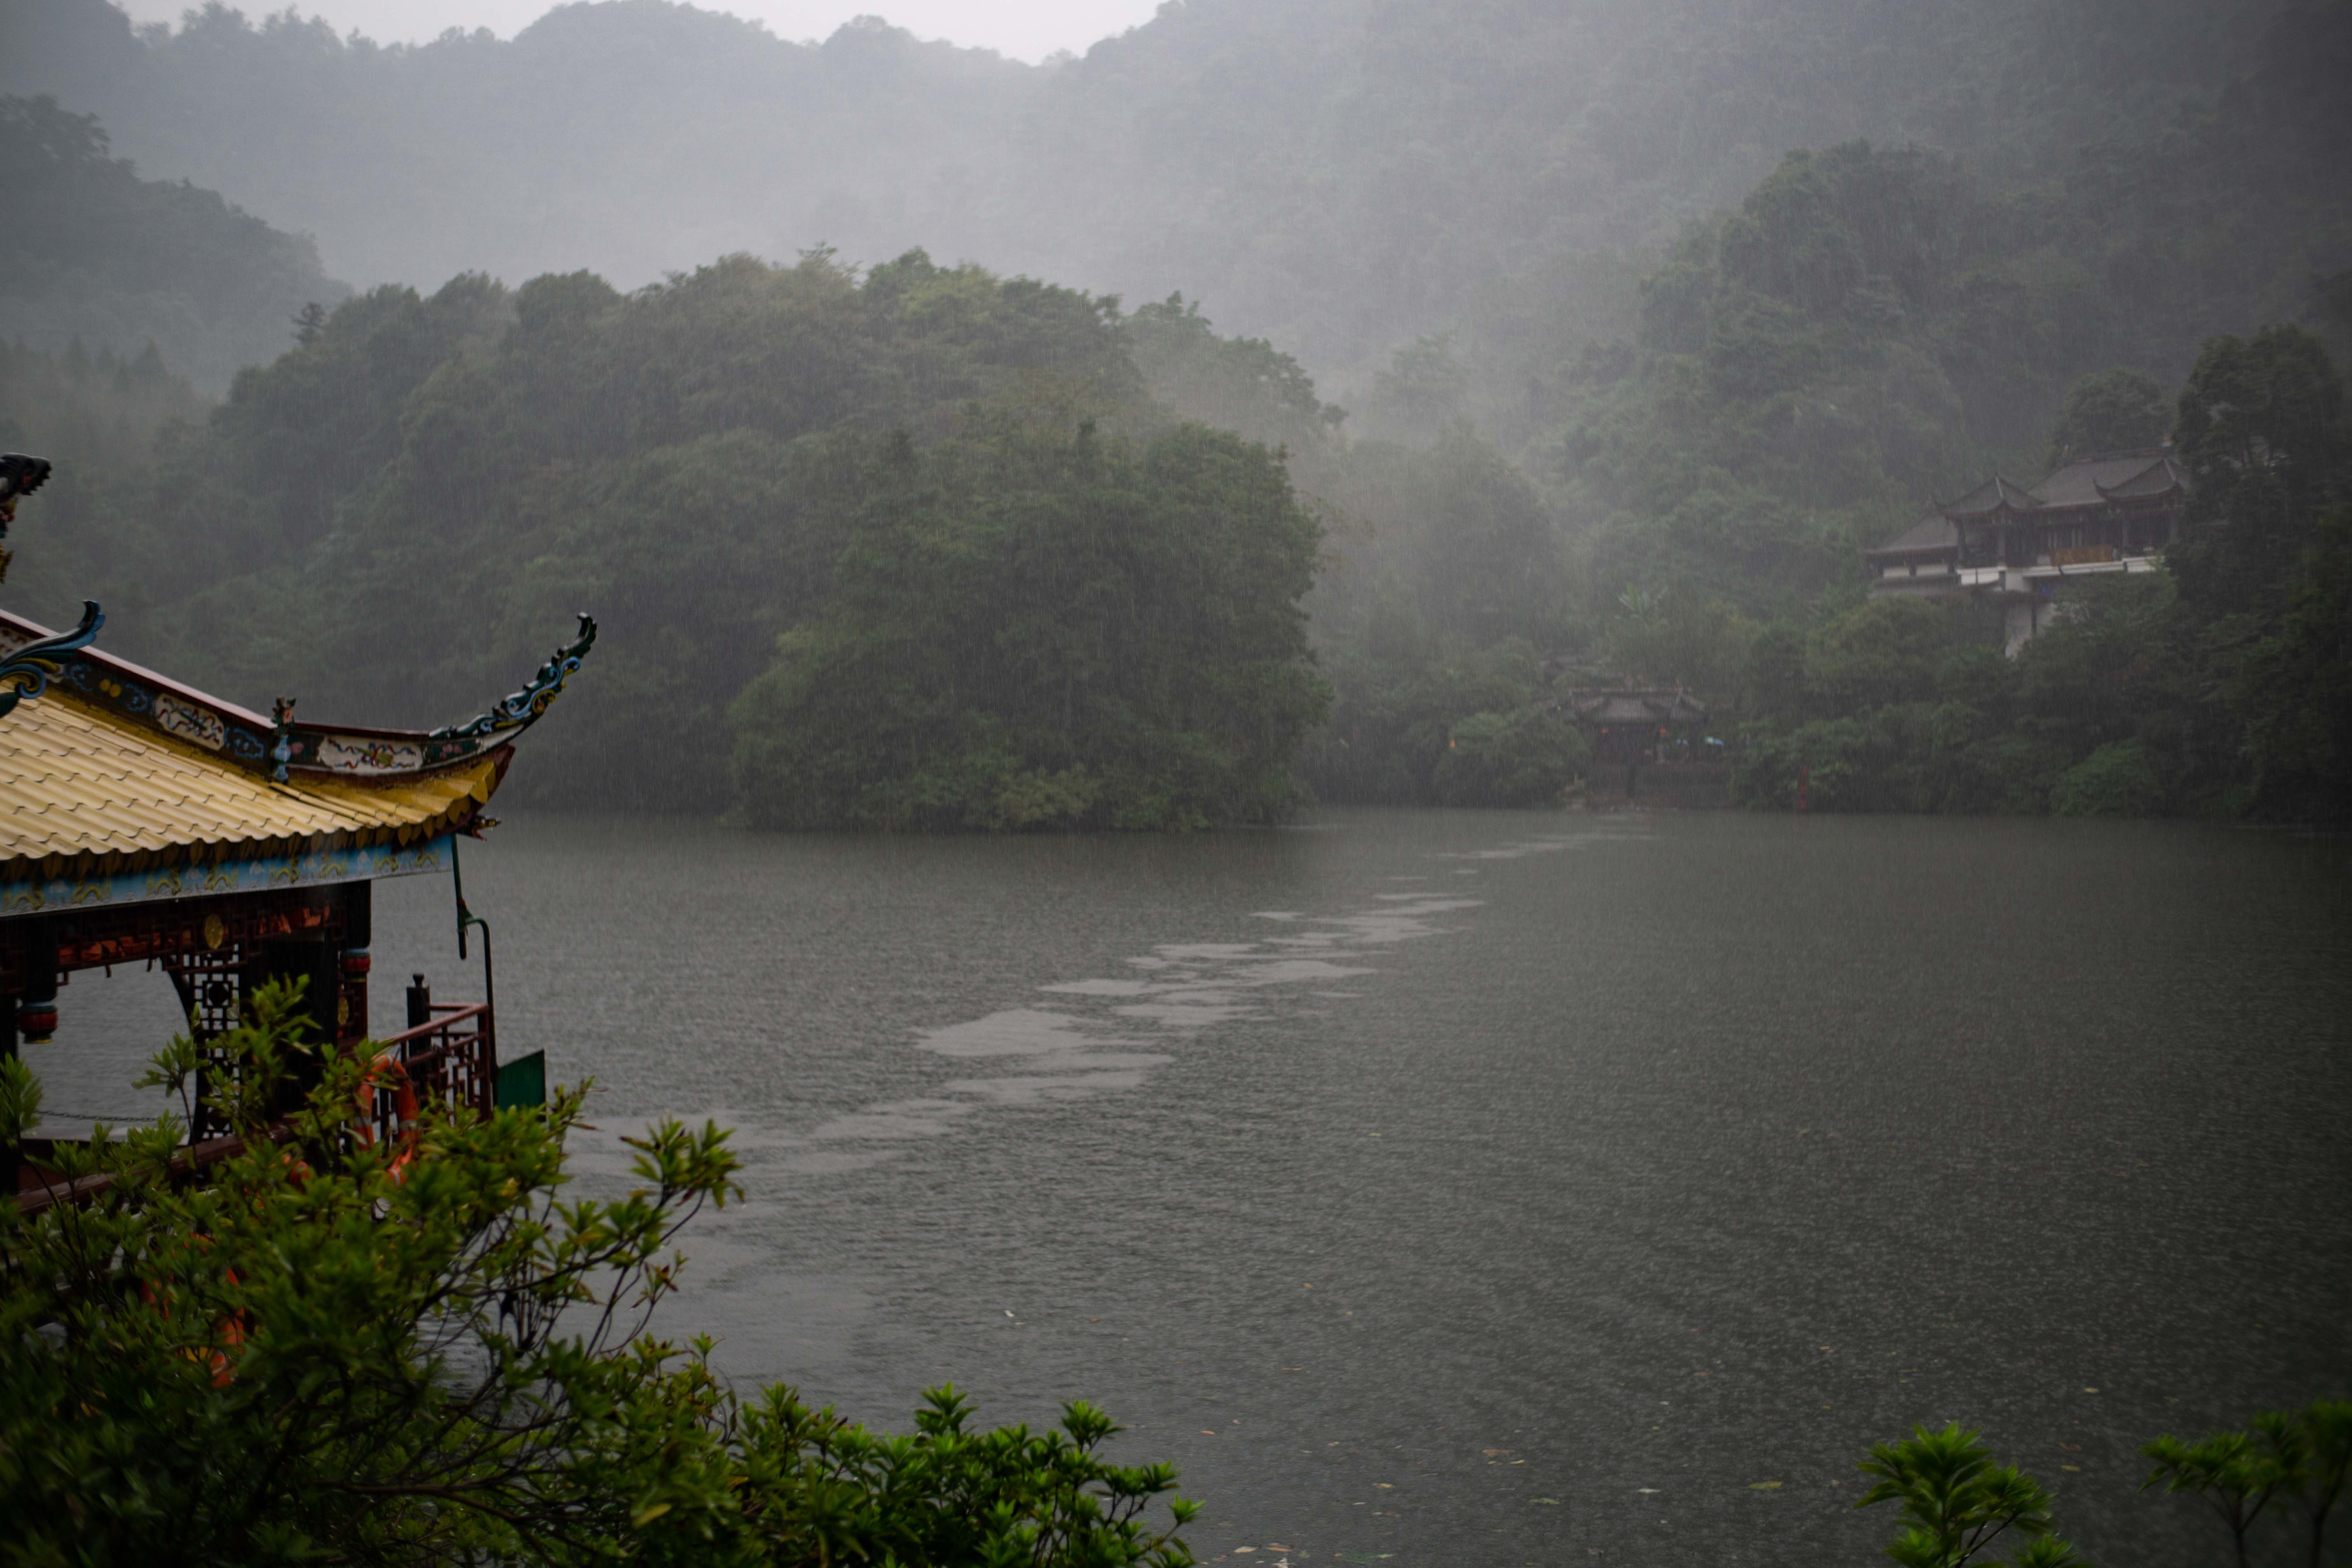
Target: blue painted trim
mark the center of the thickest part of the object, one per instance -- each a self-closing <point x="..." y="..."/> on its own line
<point x="228" y="877"/>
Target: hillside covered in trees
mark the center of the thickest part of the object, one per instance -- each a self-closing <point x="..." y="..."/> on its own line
<point x="93" y="254"/>
<point x="907" y="548"/>
<point x="1641" y="347"/>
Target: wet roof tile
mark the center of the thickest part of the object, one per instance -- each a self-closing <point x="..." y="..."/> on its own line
<point x="2086" y="481"/>
<point x="1933" y="532"/>
<point x="76" y="781"/>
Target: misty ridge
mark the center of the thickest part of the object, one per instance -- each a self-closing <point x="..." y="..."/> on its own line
<point x="1555" y="343"/>
<point x="1339" y="176"/>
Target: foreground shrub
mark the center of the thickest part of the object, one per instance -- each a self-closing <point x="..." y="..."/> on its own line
<point x="1958" y="1503"/>
<point x="2296" y="1460"/>
<point x="2290" y="1467"/>
<point x="325" y="1353"/>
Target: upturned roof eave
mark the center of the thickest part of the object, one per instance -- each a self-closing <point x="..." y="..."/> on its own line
<point x="245" y="739"/>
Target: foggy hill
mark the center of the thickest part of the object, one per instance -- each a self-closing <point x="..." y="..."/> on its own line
<point x="1648" y="324"/>
<point x="95" y="255"/>
<point x="1338" y="175"/>
<point x="634" y="138"/>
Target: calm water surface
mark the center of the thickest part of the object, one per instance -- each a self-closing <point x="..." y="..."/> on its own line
<point x="1489" y="1188"/>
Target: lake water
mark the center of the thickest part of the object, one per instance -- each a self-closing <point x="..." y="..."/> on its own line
<point x="1482" y="1188"/>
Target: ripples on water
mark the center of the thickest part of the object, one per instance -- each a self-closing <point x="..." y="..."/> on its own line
<point x="1487" y="1188"/>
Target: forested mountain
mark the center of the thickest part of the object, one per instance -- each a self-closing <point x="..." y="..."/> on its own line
<point x="1871" y="327"/>
<point x="970" y="572"/>
<point x="1340" y="176"/>
<point x="1647" y="316"/>
<point x="93" y="254"/>
<point x="634" y="138"/>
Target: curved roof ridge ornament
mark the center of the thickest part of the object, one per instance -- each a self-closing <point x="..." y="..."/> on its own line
<point x="28" y="671"/>
<point x="518" y="709"/>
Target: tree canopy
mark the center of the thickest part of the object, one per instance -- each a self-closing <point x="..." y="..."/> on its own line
<point x="927" y="524"/>
<point x="1342" y="177"/>
<point x="1648" y="328"/>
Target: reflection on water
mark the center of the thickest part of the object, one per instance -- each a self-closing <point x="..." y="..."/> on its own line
<point x="1488" y="1188"/>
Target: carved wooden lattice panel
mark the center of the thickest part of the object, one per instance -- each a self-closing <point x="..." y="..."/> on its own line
<point x="212" y="995"/>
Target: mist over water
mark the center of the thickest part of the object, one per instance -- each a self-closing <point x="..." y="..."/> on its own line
<point x="1487" y="1187"/>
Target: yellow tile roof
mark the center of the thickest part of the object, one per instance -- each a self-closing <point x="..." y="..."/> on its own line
<point x="78" y="781"/>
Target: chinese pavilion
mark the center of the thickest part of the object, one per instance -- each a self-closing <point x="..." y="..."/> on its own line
<point x="2114" y="511"/>
<point x="1655" y="735"/>
<point x="1628" y="726"/>
<point x="143" y="822"/>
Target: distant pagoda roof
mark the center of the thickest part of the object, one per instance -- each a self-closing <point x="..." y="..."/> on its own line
<point x="1605" y="705"/>
<point x="2142" y="474"/>
<point x="1932" y="534"/>
<point x="109" y="768"/>
<point x="1995" y="495"/>
<point x="2163" y="477"/>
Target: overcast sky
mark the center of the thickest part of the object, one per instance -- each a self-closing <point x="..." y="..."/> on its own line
<point x="1025" y="29"/>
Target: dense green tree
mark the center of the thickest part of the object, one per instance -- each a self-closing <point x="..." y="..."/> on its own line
<point x="1599" y="455"/>
<point x="2116" y="780"/>
<point x="2299" y="1458"/>
<point x="2297" y="688"/>
<point x="1405" y="696"/>
<point x="1032" y="629"/>
<point x="2262" y="431"/>
<point x="98" y="416"/>
<point x="1801" y="366"/>
<point x="1677" y="638"/>
<point x="1522" y="758"/>
<point x="1421" y="391"/>
<point x="2217" y="688"/>
<point x="1243" y="385"/>
<point x="2111" y="411"/>
<point x="697" y="462"/>
<point x="1957" y="1503"/>
<point x="1905" y="705"/>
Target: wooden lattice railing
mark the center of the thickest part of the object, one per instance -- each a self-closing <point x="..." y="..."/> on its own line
<point x="451" y="1058"/>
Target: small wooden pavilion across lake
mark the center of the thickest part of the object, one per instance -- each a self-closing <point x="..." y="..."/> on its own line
<point x="1632" y="725"/>
<point x="1654" y="737"/>
<point x="143" y="822"/>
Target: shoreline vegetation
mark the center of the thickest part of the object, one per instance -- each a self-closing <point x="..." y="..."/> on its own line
<point x="918" y="548"/>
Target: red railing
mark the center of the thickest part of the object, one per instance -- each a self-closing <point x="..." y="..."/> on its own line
<point x="448" y="1059"/>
